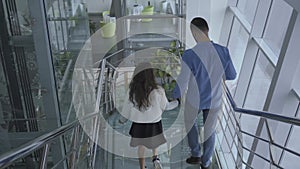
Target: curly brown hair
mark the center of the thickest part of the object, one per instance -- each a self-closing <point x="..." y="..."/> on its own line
<point x="141" y="85"/>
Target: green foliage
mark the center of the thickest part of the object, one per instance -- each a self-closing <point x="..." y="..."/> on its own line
<point x="168" y="63"/>
<point x="61" y="62"/>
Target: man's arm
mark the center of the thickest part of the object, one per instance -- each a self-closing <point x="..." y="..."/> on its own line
<point x="183" y="78"/>
<point x="230" y="72"/>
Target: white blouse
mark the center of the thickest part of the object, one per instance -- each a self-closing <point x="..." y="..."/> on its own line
<point x="152" y="114"/>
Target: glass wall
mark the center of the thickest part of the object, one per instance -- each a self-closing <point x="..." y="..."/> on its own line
<point x="23" y="116"/>
<point x="237" y="44"/>
<point x="39" y="43"/>
<point x="248" y="9"/>
<point x="277" y="24"/>
<point x="21" y="92"/>
<point x="263" y="52"/>
<point x="5" y="111"/>
<point x="260" y="82"/>
<point x="269" y="42"/>
<point x="68" y="26"/>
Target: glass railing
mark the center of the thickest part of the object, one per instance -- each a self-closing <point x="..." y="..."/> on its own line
<point x="78" y="139"/>
<point x="238" y="147"/>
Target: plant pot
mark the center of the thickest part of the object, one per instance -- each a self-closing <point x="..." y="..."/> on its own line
<point x="105" y="13"/>
<point x="108" y="30"/>
<point x="148" y="10"/>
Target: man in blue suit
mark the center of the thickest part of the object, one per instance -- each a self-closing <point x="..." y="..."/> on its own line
<point x="203" y="68"/>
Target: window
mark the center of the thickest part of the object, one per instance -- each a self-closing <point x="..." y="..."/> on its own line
<point x="248" y="8"/>
<point x="237" y="44"/>
<point x="260" y="83"/>
<point x="237" y="47"/>
<point x="277" y="25"/>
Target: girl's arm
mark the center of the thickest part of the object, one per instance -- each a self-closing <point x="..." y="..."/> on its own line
<point x="165" y="104"/>
<point x="172" y="105"/>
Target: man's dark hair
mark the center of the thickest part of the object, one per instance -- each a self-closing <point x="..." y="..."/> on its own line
<point x="200" y="23"/>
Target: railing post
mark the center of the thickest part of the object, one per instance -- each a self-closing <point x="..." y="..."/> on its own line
<point x="96" y="127"/>
<point x="99" y="88"/>
<point x="43" y="163"/>
<point x="95" y="140"/>
<point x="272" y="160"/>
<point x="74" y="147"/>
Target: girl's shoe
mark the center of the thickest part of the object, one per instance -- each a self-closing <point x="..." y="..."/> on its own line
<point x="156" y="163"/>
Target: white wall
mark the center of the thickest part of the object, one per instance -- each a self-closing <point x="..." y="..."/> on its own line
<point x="218" y="8"/>
<point x="98" y="6"/>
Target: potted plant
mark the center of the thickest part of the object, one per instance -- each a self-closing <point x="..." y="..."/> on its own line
<point x="148" y="10"/>
<point x="108" y="25"/>
<point x="168" y="64"/>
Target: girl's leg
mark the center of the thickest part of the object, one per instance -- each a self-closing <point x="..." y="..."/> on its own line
<point x="155" y="159"/>
<point x="154" y="152"/>
<point x="141" y="152"/>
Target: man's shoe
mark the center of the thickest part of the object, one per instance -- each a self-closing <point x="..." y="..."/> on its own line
<point x="193" y="160"/>
<point x="208" y="167"/>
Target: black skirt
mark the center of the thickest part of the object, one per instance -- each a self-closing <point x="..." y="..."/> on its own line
<point x="149" y="135"/>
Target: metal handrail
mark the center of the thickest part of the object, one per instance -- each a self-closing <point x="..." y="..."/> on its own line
<point x="109" y="56"/>
<point x="280" y="118"/>
<point x="8" y="158"/>
<point x="236" y="130"/>
<point x="11" y="156"/>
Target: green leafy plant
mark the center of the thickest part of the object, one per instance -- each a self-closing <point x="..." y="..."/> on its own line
<point x="61" y="62"/>
<point x="168" y="64"/>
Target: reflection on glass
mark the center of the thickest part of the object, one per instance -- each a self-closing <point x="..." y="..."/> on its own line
<point x="5" y="109"/>
<point x="28" y="117"/>
<point x="21" y="17"/>
<point x="260" y="83"/>
<point x="21" y="100"/>
<point x="68" y="30"/>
